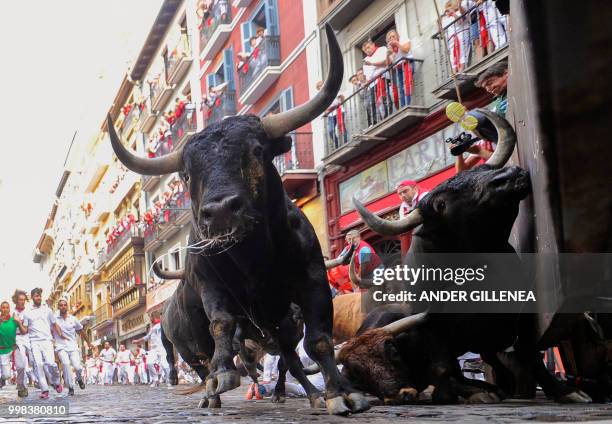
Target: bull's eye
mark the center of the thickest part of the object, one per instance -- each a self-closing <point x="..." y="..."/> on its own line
<point x="440" y="206"/>
<point x="258" y="151"/>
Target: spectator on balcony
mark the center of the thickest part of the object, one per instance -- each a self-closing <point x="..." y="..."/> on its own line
<point x="399" y="53"/>
<point x="490" y="23"/>
<point x="334" y="116"/>
<point x="456" y="33"/>
<point x="250" y="60"/>
<point x="220" y="10"/>
<point x="410" y="194"/>
<point x="152" y="146"/>
<point x="374" y="67"/>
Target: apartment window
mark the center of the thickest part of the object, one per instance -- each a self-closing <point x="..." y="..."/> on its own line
<point x="378" y="35"/>
<point x="282" y="103"/>
<point x="223" y="78"/>
<point x="176" y="258"/>
<point x="265" y="16"/>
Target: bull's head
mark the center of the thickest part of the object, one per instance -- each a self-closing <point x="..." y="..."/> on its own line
<point x="228" y="166"/>
<point x="473" y="211"/>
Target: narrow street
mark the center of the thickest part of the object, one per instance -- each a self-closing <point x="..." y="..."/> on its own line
<point x="142" y="404"/>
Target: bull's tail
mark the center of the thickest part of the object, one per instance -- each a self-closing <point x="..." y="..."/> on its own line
<point x="195" y="388"/>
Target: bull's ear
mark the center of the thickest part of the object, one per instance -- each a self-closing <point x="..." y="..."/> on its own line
<point x="281" y="145"/>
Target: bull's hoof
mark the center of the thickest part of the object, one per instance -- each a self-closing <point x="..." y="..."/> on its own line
<point x="357" y="402"/>
<point x="336" y="406"/>
<point x="173" y="378"/>
<point x="203" y="403"/>
<point x="317" y="400"/>
<point x="577" y="396"/>
<point x="483" y="397"/>
<point x="409" y="394"/>
<point x="222" y="382"/>
<point x="214" y="402"/>
<point x="278" y="398"/>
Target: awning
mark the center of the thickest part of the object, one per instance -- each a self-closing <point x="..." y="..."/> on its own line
<point x="157" y="296"/>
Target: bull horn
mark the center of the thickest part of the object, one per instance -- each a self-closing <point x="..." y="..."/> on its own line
<point x="179" y="274"/>
<point x="388" y="228"/>
<point x="506" y="139"/>
<point x="405" y="324"/>
<point x="167" y="164"/>
<point x="280" y="124"/>
<point x="355" y="279"/>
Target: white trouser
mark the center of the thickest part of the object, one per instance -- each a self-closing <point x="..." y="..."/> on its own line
<point x="108" y="369"/>
<point x="24" y="362"/>
<point x="92" y="375"/>
<point x="270" y="364"/>
<point x="157" y="357"/>
<point x="5" y="365"/>
<point x="44" y="358"/>
<point x="70" y="358"/>
<point x="125" y="370"/>
<point x="141" y="371"/>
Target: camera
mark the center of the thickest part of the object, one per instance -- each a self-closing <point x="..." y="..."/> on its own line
<point x="463" y="141"/>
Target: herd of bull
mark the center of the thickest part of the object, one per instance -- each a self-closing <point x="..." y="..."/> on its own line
<point x="255" y="275"/>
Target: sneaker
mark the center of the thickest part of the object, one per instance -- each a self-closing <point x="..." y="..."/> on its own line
<point x="81" y="383"/>
<point x="258" y="395"/>
<point x="44" y="395"/>
<point x="70" y="391"/>
<point x="22" y="392"/>
<point x="59" y="388"/>
<point x="249" y="393"/>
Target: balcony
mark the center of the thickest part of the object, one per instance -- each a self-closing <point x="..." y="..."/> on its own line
<point x="222" y="107"/>
<point x="147" y="118"/>
<point x="161" y="92"/>
<point x="130" y="121"/>
<point x="378" y="110"/>
<point x="131" y="297"/>
<point x="339" y="13"/>
<point x="125" y="187"/>
<point x="183" y="127"/>
<point x="261" y="70"/>
<point x="296" y="167"/>
<point x="215" y="29"/>
<point x="470" y="51"/>
<point x="175" y="214"/>
<point x="179" y="61"/>
<point x="149" y="181"/>
<point x="130" y="236"/>
<point x="104" y="314"/>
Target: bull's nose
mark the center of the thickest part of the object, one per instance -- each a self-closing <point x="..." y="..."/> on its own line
<point x="222" y="210"/>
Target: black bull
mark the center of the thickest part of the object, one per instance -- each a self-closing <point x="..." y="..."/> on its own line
<point x="472" y="212"/>
<point x="254" y="252"/>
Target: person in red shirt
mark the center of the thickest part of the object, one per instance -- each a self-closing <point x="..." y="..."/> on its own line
<point x="338" y="278"/>
<point x="365" y="257"/>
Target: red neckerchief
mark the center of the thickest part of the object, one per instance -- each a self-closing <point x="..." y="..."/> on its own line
<point x="19" y="309"/>
<point x="2" y="319"/>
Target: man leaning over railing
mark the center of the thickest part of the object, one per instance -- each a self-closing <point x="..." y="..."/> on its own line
<point x="399" y="54"/>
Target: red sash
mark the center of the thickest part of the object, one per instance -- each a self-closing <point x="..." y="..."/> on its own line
<point x="408" y="78"/>
<point x="456" y="52"/>
<point x="381" y="91"/>
<point x="340" y="119"/>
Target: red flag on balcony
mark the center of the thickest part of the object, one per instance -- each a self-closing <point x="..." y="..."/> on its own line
<point x="340" y="119"/>
<point x="381" y="91"/>
<point x="456" y="52"/>
<point x="484" y="34"/>
<point x="408" y="78"/>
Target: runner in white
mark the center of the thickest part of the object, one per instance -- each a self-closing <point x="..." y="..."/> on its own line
<point x="24" y="360"/>
<point x="156" y="356"/>
<point x="107" y="356"/>
<point x="140" y="359"/>
<point x="39" y="319"/>
<point x="92" y="369"/>
<point x="124" y="363"/>
<point x="67" y="348"/>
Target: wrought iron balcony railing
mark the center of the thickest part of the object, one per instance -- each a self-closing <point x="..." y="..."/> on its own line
<point x="223" y="106"/>
<point x="219" y="14"/>
<point x="395" y="89"/>
<point x="300" y="157"/>
<point x="267" y="53"/>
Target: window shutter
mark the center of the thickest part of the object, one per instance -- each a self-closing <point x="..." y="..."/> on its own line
<point x="286" y="100"/>
<point x="247" y="31"/>
<point x="228" y="67"/>
<point x="272" y="17"/>
<point x="211" y="81"/>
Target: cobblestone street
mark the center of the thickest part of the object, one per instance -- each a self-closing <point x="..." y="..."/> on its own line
<point x="142" y="404"/>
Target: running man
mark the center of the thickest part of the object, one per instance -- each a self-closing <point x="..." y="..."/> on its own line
<point x="8" y="332"/>
<point x="156" y="356"/>
<point x="107" y="356"/>
<point x="39" y="319"/>
<point x="67" y="348"/>
<point x="124" y="363"/>
<point x="92" y="369"/>
<point x="24" y="360"/>
<point x="140" y="361"/>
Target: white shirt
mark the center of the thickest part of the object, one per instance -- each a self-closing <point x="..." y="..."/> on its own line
<point x="371" y="71"/>
<point x="39" y="321"/>
<point x="69" y="325"/>
<point x="154" y="337"/>
<point x="22" y="339"/>
<point x="405" y="207"/>
<point x="397" y="56"/>
<point x="124" y="357"/>
<point x="91" y="363"/>
<point x="140" y="355"/>
<point x="108" y="355"/>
